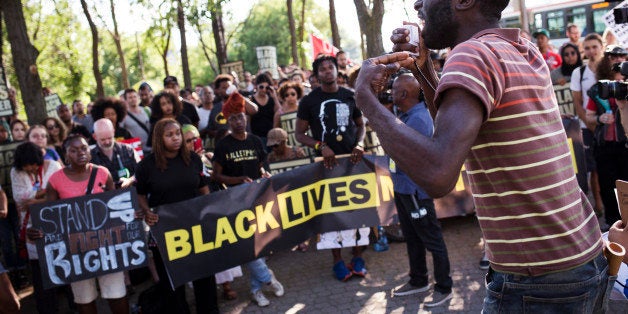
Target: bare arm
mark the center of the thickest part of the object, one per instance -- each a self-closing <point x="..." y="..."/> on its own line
<point x="4" y="210"/>
<point x="250" y="107"/>
<point x="329" y="157"/>
<point x="580" y="111"/>
<point x="433" y="163"/>
<point x="228" y="180"/>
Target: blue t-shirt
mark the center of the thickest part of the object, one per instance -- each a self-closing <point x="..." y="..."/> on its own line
<point x="419" y="119"/>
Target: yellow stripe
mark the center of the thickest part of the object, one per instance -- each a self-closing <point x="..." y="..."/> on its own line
<point x="540" y="163"/>
<point x="556" y="261"/>
<point x="526" y="192"/>
<point x="491" y="99"/>
<point x="537" y="87"/>
<point x="523" y="114"/>
<point x="525" y="140"/>
<point x="549" y="213"/>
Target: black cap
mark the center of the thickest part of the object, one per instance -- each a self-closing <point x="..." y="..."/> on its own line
<point x="615" y="50"/>
<point x="170" y="79"/>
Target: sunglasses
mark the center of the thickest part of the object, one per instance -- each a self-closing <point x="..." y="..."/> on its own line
<point x="52" y="127"/>
<point x="262" y="86"/>
<point x="190" y="140"/>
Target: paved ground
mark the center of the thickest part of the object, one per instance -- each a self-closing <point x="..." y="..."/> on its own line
<point x="311" y="288"/>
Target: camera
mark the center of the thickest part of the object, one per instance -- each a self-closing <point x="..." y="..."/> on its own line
<point x="614" y="89"/>
<point x="385" y="97"/>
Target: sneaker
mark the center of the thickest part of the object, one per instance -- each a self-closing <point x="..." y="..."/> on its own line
<point x="408" y="289"/>
<point x="275" y="285"/>
<point x="484" y="263"/>
<point x="260" y="298"/>
<point x="341" y="271"/>
<point x="438" y="298"/>
<point x="357" y="266"/>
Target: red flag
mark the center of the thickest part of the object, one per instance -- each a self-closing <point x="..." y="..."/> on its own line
<point x="320" y="45"/>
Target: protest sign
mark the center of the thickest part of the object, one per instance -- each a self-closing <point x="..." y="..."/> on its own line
<point x="372" y="144"/>
<point x="288" y="123"/>
<point x="619" y="30"/>
<point x="214" y="232"/>
<point x="576" y="147"/>
<point x="5" y="103"/>
<point x="7" y="158"/>
<point x="267" y="60"/>
<point x="237" y="67"/>
<point x="52" y="102"/>
<point x="564" y="99"/>
<point x="88" y="236"/>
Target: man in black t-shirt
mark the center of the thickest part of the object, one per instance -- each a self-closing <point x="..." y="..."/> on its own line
<point x="337" y="127"/>
<point x="238" y="159"/>
<point x="189" y="109"/>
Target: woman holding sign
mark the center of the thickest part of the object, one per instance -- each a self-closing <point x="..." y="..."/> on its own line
<point x="74" y="181"/>
<point x="173" y="174"/>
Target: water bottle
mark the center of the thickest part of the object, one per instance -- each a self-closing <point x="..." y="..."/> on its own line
<point x="382" y="243"/>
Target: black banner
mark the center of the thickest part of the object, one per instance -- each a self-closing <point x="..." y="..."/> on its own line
<point x="211" y="233"/>
<point x="89" y="236"/>
<point x="7" y="158"/>
<point x="5" y="103"/>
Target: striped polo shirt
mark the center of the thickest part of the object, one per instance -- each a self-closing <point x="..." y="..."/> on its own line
<point x="534" y="217"/>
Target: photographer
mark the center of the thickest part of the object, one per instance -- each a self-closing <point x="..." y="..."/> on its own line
<point x="609" y="148"/>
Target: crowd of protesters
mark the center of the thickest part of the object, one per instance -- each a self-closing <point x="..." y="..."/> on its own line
<point x="189" y="137"/>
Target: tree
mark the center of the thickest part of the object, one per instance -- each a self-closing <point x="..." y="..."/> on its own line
<point x="370" y="19"/>
<point x="302" y="35"/>
<point x="187" y="80"/>
<point x="334" y="26"/>
<point x="116" y="39"/>
<point x="100" y="90"/>
<point x="293" y="33"/>
<point x="159" y="33"/>
<point x="24" y="60"/>
<point x="218" y="29"/>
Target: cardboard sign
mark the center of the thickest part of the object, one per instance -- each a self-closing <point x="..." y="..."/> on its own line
<point x="89" y="236"/>
<point x="267" y="60"/>
<point x="619" y="30"/>
<point x="564" y="99"/>
<point x="52" y="102"/>
<point x="5" y="103"/>
<point x="237" y="67"/>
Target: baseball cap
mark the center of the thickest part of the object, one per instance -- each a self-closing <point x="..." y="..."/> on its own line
<point x="541" y="31"/>
<point x="615" y="50"/>
<point x="170" y="79"/>
<point x="275" y="136"/>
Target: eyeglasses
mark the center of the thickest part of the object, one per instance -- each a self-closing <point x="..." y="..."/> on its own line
<point x="262" y="86"/>
<point x="190" y="140"/>
<point x="52" y="127"/>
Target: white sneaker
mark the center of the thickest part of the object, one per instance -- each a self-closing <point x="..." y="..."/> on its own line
<point x="438" y="299"/>
<point x="260" y="298"/>
<point x="275" y="285"/>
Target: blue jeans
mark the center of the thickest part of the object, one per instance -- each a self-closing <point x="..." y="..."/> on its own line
<point x="583" y="289"/>
<point x="260" y="274"/>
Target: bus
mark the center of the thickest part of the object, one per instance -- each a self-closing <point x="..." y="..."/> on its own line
<point x="587" y="14"/>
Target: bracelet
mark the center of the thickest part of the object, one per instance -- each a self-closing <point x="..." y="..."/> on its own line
<point x="317" y="146"/>
<point x="322" y="146"/>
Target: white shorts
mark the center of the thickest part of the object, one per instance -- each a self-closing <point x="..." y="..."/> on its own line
<point x="344" y="238"/>
<point x="111" y="287"/>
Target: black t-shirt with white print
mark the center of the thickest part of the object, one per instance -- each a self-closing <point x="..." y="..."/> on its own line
<point x="240" y="158"/>
<point x="331" y="118"/>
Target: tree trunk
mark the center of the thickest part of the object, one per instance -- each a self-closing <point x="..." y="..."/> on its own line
<point x="335" y="35"/>
<point x="304" y="65"/>
<point x="205" y="49"/>
<point x="219" y="32"/>
<point x="117" y="41"/>
<point x="100" y="90"/>
<point x="140" y="60"/>
<point x="371" y="25"/>
<point x="187" y="79"/>
<point x="24" y="61"/>
<point x="293" y="34"/>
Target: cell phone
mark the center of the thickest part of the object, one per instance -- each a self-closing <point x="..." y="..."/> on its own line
<point x="198" y="144"/>
<point x="414" y="34"/>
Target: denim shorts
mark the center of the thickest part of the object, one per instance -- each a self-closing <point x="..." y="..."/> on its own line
<point x="584" y="289"/>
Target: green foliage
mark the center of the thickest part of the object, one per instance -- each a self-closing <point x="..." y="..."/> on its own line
<point x="268" y="26"/>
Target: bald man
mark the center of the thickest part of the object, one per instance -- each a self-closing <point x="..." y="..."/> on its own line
<point x="119" y="158"/>
<point x="415" y="208"/>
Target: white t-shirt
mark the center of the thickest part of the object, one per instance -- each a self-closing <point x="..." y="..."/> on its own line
<point x="203" y="114"/>
<point x="588" y="80"/>
<point x="135" y="129"/>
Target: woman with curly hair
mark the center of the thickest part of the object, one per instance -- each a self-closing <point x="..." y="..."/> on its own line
<point x="56" y="134"/>
<point x="166" y="105"/>
<point x="114" y="110"/>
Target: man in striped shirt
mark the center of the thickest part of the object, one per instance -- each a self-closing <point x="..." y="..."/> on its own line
<point x="496" y="109"/>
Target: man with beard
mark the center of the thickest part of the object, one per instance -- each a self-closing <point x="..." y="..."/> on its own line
<point x="337" y="128"/>
<point x="496" y="111"/>
<point x="119" y="158"/>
